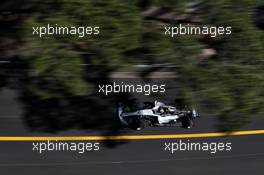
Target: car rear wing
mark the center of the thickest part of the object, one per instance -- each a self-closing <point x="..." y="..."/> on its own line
<point x="119" y="113"/>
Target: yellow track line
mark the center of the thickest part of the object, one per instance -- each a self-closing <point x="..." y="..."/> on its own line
<point x="132" y="137"/>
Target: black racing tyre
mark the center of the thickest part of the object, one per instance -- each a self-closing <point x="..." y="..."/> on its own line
<point x="133" y="123"/>
<point x="144" y="124"/>
<point x="187" y="122"/>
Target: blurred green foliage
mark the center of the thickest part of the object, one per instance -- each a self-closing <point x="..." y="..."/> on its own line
<point x="57" y="60"/>
<point x="231" y="85"/>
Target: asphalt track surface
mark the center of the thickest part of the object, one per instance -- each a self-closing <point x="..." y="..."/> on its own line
<point x="130" y="156"/>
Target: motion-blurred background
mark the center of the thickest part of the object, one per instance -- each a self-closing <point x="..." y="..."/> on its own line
<point x="56" y="76"/>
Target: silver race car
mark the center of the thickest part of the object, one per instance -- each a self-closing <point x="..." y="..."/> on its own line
<point x="155" y="114"/>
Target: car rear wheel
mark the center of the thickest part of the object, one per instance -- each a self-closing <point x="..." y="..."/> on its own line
<point x="187" y="123"/>
<point x="143" y="124"/>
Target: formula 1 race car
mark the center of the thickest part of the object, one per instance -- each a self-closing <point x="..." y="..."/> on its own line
<point x="155" y="114"/>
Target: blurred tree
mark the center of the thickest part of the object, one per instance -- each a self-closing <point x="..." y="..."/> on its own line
<point x="230" y="85"/>
<point x="56" y="62"/>
<point x="259" y="16"/>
